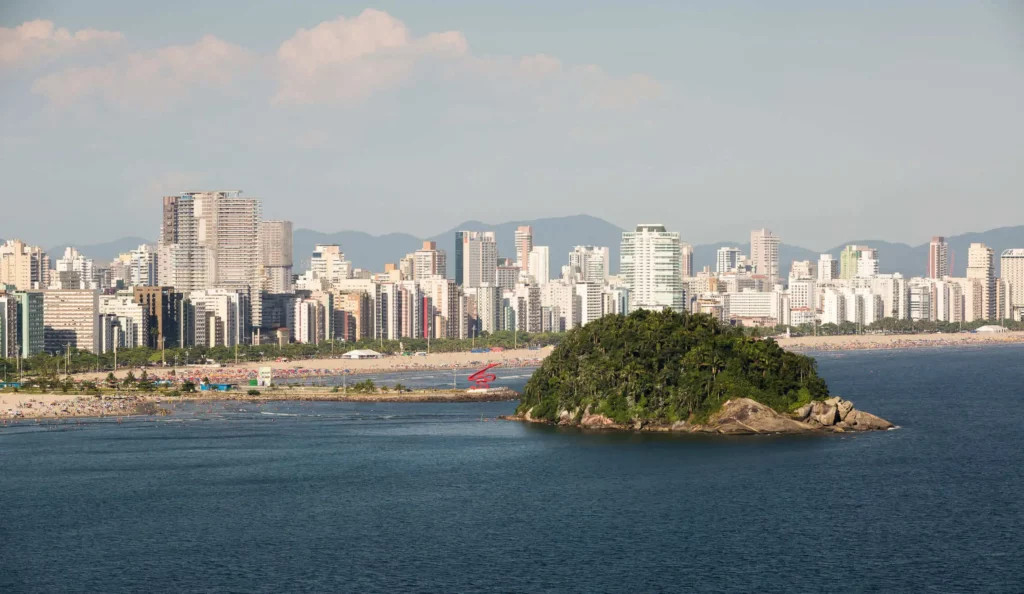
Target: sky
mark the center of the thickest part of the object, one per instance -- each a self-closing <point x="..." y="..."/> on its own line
<point x="824" y="121"/>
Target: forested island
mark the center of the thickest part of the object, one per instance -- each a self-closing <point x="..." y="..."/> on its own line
<point x="683" y="372"/>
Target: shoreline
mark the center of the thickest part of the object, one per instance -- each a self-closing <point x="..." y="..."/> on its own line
<point x="23" y="406"/>
<point x="879" y="342"/>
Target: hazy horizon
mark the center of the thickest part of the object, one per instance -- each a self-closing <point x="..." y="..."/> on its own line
<point x="822" y="122"/>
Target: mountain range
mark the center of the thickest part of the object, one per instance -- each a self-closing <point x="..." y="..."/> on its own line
<point x="561" y="234"/>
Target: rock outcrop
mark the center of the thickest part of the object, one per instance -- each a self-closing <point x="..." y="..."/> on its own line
<point x="742" y="416"/>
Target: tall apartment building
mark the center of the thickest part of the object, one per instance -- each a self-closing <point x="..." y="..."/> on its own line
<point x="210" y="240"/>
<point x="122" y="306"/>
<point x="867" y="263"/>
<point x="276" y="257"/>
<point x="163" y="306"/>
<point x="329" y="263"/>
<point x="219" y="317"/>
<point x="8" y="326"/>
<point x="479" y="258"/>
<point x="31" y="332"/>
<point x="1012" y="272"/>
<point x="73" y="271"/>
<point x="460" y="238"/>
<point x="589" y="264"/>
<point x="828" y="268"/>
<point x="25" y="267"/>
<point x="651" y="268"/>
<point x="764" y="253"/>
<point x="429" y="261"/>
<point x="540" y="264"/>
<point x="726" y="259"/>
<point x="71" y="318"/>
<point x="137" y="268"/>
<point x="686" y="253"/>
<point x="980" y="267"/>
<point x="938" y="258"/>
<point x="524" y="245"/>
<point x="803" y="269"/>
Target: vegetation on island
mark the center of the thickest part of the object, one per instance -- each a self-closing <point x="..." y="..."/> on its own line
<point x="666" y="367"/>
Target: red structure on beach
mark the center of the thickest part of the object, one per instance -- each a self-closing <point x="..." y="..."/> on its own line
<point x="483" y="378"/>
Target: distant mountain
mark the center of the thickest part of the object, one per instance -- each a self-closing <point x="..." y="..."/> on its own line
<point x="561" y="234"/>
<point x="362" y="249"/>
<point x="101" y="252"/>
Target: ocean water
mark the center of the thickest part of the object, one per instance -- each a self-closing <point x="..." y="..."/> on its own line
<point x="342" y="497"/>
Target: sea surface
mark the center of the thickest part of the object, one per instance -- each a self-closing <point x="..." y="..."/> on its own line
<point x="347" y="497"/>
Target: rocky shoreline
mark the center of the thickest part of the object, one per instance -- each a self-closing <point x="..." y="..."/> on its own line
<point x="739" y="416"/>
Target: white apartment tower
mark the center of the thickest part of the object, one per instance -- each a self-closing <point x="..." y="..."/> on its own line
<point x="828" y="268"/>
<point x="328" y="262"/>
<point x="651" y="268"/>
<point x="589" y="263"/>
<point x="540" y="264"/>
<point x="980" y="267"/>
<point x="764" y="253"/>
<point x="479" y="258"/>
<point x="727" y="259"/>
<point x="1012" y="272"/>
<point x="429" y="261"/>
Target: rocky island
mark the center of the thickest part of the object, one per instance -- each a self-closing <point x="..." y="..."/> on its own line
<point x="679" y="372"/>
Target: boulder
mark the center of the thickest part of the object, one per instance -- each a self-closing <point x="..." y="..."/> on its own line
<point x="591" y="421"/>
<point x="743" y="416"/>
<point x="823" y="414"/>
<point x="859" y="420"/>
<point x="844" y="407"/>
<point x="565" y="418"/>
<point x="803" y="412"/>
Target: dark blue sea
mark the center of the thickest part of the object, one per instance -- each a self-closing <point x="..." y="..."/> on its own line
<point x="342" y="497"/>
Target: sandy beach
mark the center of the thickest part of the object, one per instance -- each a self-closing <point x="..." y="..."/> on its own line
<point x="38" y="406"/>
<point x="896" y="341"/>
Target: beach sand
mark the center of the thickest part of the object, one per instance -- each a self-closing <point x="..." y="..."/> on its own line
<point x="897" y="341"/>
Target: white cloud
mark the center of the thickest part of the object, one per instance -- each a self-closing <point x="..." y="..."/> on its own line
<point x="36" y="41"/>
<point x="149" y="79"/>
<point x="347" y="60"/>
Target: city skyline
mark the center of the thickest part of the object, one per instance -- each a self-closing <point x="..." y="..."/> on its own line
<point x="528" y="109"/>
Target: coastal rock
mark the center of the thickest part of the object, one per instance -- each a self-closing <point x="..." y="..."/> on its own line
<point x="803" y="412"/>
<point x="844" y="407"/>
<point x="859" y="420"/>
<point x="824" y="414"/>
<point x="592" y="421"/>
<point x="743" y="416"/>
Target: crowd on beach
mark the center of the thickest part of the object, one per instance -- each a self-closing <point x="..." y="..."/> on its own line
<point x="49" y="406"/>
<point x="899" y="342"/>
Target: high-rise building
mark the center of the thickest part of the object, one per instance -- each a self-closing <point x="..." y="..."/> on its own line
<point x="524" y="245"/>
<point x="726" y="260"/>
<point x="1011" y="270"/>
<point x="686" y="253"/>
<point x="163" y="311"/>
<point x="133" y="318"/>
<point x="31" y="337"/>
<point x="8" y="326"/>
<point x="589" y="264"/>
<point x="479" y="258"/>
<point x="328" y="262"/>
<point x="210" y="240"/>
<point x="24" y="267"/>
<point x="828" y="268"/>
<point x="980" y="267"/>
<point x="938" y="258"/>
<point x="137" y="268"/>
<point x="803" y="269"/>
<point x="460" y="237"/>
<point x="71" y="318"/>
<point x="73" y="271"/>
<point x="764" y="253"/>
<point x="276" y="256"/>
<point x="651" y="268"/>
<point x="429" y="261"/>
<point x="540" y="264"/>
<point x="867" y="263"/>
<point x="849" y="261"/>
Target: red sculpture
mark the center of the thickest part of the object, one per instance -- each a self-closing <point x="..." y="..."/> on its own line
<point x="482" y="378"/>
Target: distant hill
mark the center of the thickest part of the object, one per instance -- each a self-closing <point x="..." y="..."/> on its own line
<point x="362" y="249"/>
<point x="101" y="252"/>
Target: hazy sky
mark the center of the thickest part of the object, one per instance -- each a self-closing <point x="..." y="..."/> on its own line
<point x="824" y="121"/>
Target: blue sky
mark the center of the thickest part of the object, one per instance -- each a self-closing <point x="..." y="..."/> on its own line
<point x="825" y="121"/>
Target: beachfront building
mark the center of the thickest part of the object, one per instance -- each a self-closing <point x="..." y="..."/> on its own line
<point x="71" y="319"/>
<point x="1012" y="273"/>
<point x="980" y="267"/>
<point x="8" y="326"/>
<point x="651" y="268"/>
<point x="131" y="317"/>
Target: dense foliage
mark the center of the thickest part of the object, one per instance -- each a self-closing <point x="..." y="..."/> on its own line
<point x="666" y="367"/>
